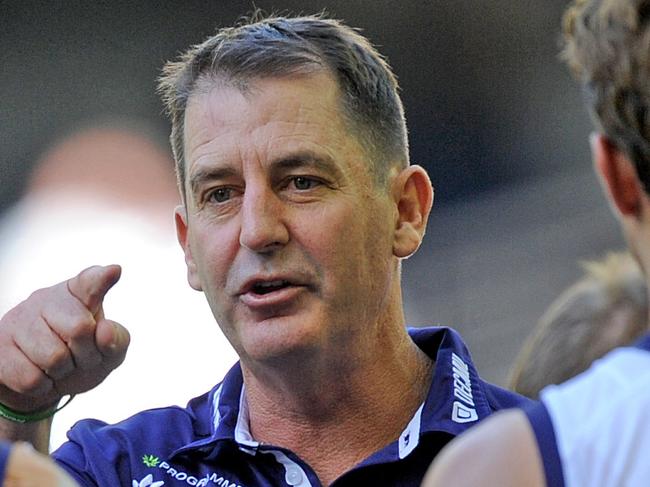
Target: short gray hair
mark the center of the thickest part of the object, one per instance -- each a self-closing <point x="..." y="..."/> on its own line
<point x="281" y="46"/>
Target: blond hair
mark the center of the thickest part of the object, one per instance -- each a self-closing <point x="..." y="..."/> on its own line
<point x="606" y="308"/>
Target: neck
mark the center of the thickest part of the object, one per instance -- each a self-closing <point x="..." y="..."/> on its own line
<point x="638" y="239"/>
<point x="349" y="405"/>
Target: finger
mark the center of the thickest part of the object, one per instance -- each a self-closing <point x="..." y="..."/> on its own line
<point x="75" y="325"/>
<point x="44" y="348"/>
<point x="22" y="376"/>
<point x="91" y="285"/>
<point x="112" y="341"/>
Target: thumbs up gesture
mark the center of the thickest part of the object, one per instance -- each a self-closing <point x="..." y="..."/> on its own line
<point x="58" y="342"/>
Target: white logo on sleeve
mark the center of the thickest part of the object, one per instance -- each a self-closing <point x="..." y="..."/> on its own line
<point x="463" y="409"/>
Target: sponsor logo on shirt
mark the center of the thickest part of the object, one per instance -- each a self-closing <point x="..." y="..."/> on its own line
<point x="463" y="410"/>
<point x="147" y="482"/>
<point x="211" y="479"/>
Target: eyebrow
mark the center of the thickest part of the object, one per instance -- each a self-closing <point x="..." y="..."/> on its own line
<point x="209" y="174"/>
<point x="293" y="161"/>
<point x="307" y="159"/>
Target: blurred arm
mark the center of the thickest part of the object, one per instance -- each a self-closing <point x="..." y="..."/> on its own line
<point x="500" y="452"/>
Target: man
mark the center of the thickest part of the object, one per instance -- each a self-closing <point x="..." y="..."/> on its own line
<point x="593" y="430"/>
<point x="299" y="204"/>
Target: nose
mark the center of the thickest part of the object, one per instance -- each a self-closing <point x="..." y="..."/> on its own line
<point x="263" y="229"/>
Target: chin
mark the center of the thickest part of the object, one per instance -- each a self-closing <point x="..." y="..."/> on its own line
<point x="281" y="341"/>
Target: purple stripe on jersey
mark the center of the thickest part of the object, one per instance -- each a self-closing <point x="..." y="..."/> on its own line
<point x="5" y="448"/>
<point x="643" y="342"/>
<point x="543" y="428"/>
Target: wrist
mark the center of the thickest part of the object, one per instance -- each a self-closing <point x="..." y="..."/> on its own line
<point x="18" y="417"/>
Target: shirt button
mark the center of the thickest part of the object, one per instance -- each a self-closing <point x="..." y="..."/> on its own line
<point x="294" y="477"/>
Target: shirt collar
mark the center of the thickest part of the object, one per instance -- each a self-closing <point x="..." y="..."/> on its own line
<point x="456" y="398"/>
<point x="224" y="417"/>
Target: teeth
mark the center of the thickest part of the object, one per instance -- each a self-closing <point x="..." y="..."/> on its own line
<point x="267" y="285"/>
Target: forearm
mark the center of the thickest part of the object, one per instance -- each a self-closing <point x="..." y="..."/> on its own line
<point x="36" y="433"/>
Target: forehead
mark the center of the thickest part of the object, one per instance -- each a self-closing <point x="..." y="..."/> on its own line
<point x="268" y="119"/>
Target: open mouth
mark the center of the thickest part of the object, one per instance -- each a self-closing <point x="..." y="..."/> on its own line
<point x="263" y="288"/>
<point x="268" y="295"/>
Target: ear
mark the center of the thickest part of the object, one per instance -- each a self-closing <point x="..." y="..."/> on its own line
<point x="413" y="194"/>
<point x="617" y="175"/>
<point x="182" y="233"/>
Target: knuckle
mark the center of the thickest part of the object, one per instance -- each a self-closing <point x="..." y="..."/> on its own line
<point x="80" y="326"/>
<point x="38" y="295"/>
<point x="34" y="296"/>
<point x="58" y="358"/>
<point x="13" y="316"/>
<point x="89" y="358"/>
<point x="33" y="381"/>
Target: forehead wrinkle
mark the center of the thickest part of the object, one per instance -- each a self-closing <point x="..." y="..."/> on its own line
<point x="330" y="136"/>
<point x="313" y="129"/>
<point x="207" y="159"/>
<point x="205" y="162"/>
<point x="207" y="121"/>
<point x="324" y="152"/>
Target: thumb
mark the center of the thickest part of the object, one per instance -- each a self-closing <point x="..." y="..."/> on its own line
<point x="112" y="340"/>
<point x="91" y="285"/>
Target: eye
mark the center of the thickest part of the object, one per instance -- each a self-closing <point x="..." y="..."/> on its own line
<point x="220" y="195"/>
<point x="303" y="183"/>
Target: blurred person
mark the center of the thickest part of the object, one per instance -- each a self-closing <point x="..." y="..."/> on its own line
<point x="592" y="430"/>
<point x="22" y="466"/>
<point x="605" y="309"/>
<point x="106" y="193"/>
<point x="298" y="205"/>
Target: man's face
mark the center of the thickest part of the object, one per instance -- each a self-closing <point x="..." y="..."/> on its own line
<point x="284" y="229"/>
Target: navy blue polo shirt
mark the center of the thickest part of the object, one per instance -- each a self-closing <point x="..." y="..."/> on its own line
<point x="208" y="443"/>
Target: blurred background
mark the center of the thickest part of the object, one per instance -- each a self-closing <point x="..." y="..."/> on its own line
<point x="493" y="115"/>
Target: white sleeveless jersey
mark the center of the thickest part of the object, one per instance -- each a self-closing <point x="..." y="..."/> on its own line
<point x="601" y="423"/>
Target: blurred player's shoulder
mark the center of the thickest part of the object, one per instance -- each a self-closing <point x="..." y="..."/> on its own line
<point x="502" y="451"/>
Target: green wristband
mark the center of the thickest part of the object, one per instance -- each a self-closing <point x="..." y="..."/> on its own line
<point x="22" y="418"/>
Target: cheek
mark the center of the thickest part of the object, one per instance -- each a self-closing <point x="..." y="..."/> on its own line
<point x="339" y="243"/>
<point x="369" y="248"/>
<point x="331" y="232"/>
<point x="212" y="254"/>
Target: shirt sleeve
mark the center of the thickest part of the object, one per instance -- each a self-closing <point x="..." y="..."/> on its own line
<point x="5" y="449"/>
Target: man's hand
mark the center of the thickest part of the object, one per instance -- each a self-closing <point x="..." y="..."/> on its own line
<point x="28" y="468"/>
<point x="57" y="342"/>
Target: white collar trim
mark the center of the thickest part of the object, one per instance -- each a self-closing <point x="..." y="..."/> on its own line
<point x="410" y="437"/>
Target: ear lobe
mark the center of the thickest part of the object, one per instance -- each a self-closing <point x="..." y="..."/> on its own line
<point x="618" y="176"/>
<point x="182" y="234"/>
<point x="413" y="194"/>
